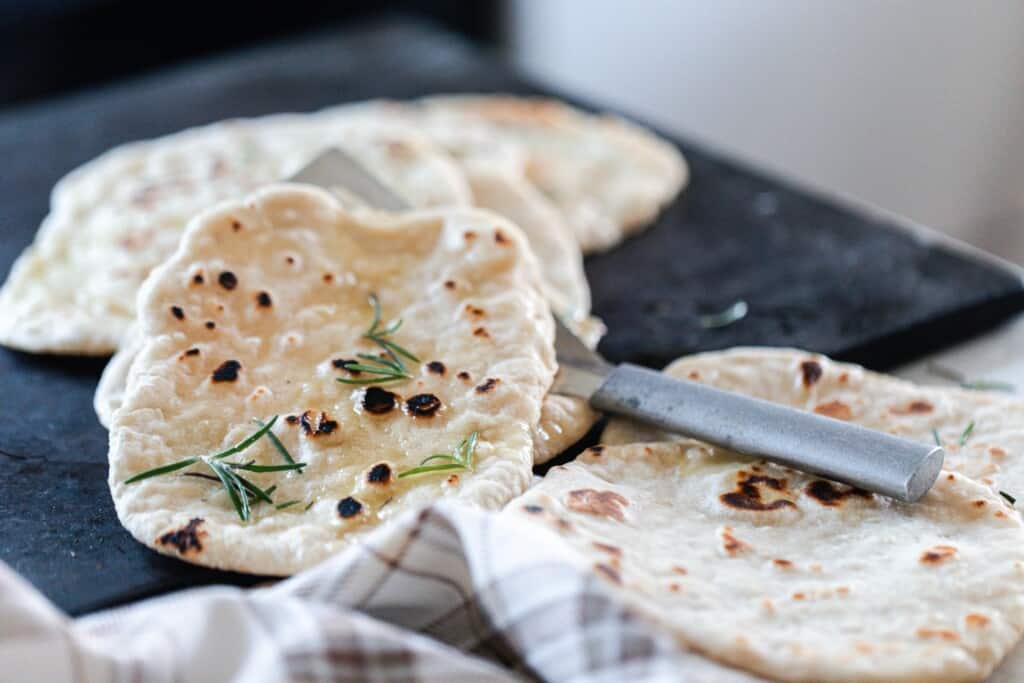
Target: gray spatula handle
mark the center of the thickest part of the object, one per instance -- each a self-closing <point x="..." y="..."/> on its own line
<point x="835" y="449"/>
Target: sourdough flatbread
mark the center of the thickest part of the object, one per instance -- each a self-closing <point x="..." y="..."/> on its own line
<point x="790" y="576"/>
<point x="992" y="453"/>
<point x="609" y="177"/>
<point x="114" y="219"/>
<point x="252" y="316"/>
<point x="565" y="284"/>
<point x="564" y="420"/>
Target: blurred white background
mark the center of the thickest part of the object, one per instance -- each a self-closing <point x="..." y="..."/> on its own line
<point x="917" y="107"/>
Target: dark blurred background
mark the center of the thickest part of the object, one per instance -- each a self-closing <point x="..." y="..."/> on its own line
<point x="51" y="46"/>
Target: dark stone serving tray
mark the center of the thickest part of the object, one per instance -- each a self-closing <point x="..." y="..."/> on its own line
<point x="816" y="274"/>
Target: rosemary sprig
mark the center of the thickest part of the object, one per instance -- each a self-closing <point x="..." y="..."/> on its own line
<point x="378" y="335"/>
<point x="460" y="459"/>
<point x="1010" y="499"/>
<point x="240" y="490"/>
<point x="388" y="366"/>
<point x="958" y="377"/>
<point x="734" y="313"/>
<point x="967" y="433"/>
<point x="382" y="369"/>
<point x="935" y="435"/>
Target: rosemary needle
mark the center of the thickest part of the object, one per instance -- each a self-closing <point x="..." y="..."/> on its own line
<point x="967" y="433"/>
<point x="164" y="469"/>
<point x="1010" y="499"/>
<point x="285" y="455"/>
<point x="460" y="459"/>
<point x="958" y="377"/>
<point x="734" y="313"/>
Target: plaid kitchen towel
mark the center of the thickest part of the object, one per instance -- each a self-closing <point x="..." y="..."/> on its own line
<point x="447" y="594"/>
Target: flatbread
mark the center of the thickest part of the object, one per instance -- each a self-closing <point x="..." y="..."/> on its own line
<point x="788" y="575"/>
<point x="468" y="289"/>
<point x="565" y="284"/>
<point x="564" y="420"/>
<point x="114" y="219"/>
<point x="608" y="177"/>
<point x="993" y="452"/>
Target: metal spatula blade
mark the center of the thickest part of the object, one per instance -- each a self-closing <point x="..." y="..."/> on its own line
<point x="335" y="168"/>
<point x="861" y="457"/>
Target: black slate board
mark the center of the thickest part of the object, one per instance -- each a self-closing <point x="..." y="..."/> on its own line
<point x="816" y="275"/>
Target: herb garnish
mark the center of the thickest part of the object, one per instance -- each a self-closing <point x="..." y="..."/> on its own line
<point x="935" y="435"/>
<point x="734" y="313"/>
<point x="386" y="366"/>
<point x="967" y="433"/>
<point x="1010" y="499"/>
<point x="240" y="490"/>
<point x="460" y="459"/>
<point x="285" y="455"/>
<point x="953" y="375"/>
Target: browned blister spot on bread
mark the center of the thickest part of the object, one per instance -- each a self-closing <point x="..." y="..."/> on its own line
<point x="836" y="409"/>
<point x="317" y="425"/>
<point x="227" y="280"/>
<point x="938" y="554"/>
<point x="379" y="474"/>
<point x="606" y="548"/>
<point x="732" y="545"/>
<point x="487" y="385"/>
<point x="912" y="408"/>
<point x="751" y="493"/>
<point x="349" y="507"/>
<point x="187" y="539"/>
<point x="833" y="495"/>
<point x="423" y="405"/>
<point x="810" y="371"/>
<point x="379" y="401"/>
<point x="937" y="633"/>
<point x="226" y="371"/>
<point x="608" y="573"/>
<point x="599" y="503"/>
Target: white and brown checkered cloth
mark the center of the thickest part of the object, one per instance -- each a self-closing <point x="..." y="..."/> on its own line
<point x="449" y="594"/>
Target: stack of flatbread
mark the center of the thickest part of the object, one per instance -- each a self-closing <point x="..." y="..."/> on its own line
<point x="240" y="311"/>
<point x="294" y="368"/>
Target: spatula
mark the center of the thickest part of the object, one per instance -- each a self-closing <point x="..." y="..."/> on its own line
<point x="845" y="452"/>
